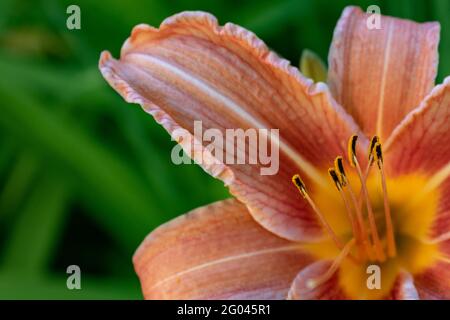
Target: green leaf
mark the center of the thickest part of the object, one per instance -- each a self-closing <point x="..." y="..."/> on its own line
<point x="17" y="184"/>
<point x="312" y="66"/>
<point x="442" y="13"/>
<point x="34" y="235"/>
<point x="18" y="287"/>
<point x="119" y="198"/>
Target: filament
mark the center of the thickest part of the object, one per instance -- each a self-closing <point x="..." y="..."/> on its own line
<point x="372" y="224"/>
<point x="302" y="189"/>
<point x="378" y="155"/>
<point x="338" y="182"/>
<point x="313" y="283"/>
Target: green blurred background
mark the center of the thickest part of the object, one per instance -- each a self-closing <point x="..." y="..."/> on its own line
<point x="85" y="176"/>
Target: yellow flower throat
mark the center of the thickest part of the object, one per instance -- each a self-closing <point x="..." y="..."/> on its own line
<point x="385" y="222"/>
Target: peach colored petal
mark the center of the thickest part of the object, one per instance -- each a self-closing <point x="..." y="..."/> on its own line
<point x="421" y="145"/>
<point x="441" y="223"/>
<point x="217" y="252"/>
<point x="192" y="69"/>
<point x="434" y="283"/>
<point x="379" y="75"/>
<point x="421" y="142"/>
<point x="404" y="288"/>
<point x="329" y="290"/>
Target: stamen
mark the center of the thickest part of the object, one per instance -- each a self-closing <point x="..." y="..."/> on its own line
<point x="313" y="283"/>
<point x="362" y="226"/>
<point x="335" y="178"/>
<point x="298" y="182"/>
<point x="302" y="189"/>
<point x="378" y="155"/>
<point x="361" y="234"/>
<point x="373" y="142"/>
<point x="338" y="184"/>
<point x="352" y="150"/>
<point x="339" y="167"/>
<point x="372" y="224"/>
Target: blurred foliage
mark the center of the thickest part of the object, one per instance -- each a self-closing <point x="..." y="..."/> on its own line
<point x="85" y="176"/>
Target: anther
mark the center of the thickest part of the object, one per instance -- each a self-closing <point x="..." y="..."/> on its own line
<point x="373" y="142"/>
<point x="300" y="185"/>
<point x="378" y="155"/>
<point x="339" y="167"/>
<point x="352" y="150"/>
<point x="335" y="178"/>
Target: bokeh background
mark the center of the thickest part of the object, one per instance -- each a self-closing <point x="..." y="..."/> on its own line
<point x="85" y="176"/>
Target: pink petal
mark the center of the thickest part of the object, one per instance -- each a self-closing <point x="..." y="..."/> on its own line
<point x="422" y="140"/>
<point x="217" y="252"/>
<point x="441" y="223"/>
<point x="379" y="75"/>
<point x="404" y="288"/>
<point x="329" y="290"/>
<point x="192" y="69"/>
<point x="421" y="145"/>
<point x="434" y="283"/>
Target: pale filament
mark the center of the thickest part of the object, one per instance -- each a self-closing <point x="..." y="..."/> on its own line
<point x="373" y="227"/>
<point x="340" y="183"/>
<point x="362" y="226"/>
<point x="387" y="210"/>
<point x="324" y="222"/>
<point x="302" y="189"/>
<point x="313" y="283"/>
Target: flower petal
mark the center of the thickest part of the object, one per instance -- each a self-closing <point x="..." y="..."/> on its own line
<point x="421" y="142"/>
<point x="217" y="252"/>
<point x="379" y="75"/>
<point x="329" y="290"/>
<point x="434" y="283"/>
<point x="441" y="223"/>
<point x="404" y="288"/>
<point x="192" y="69"/>
<point x="421" y="145"/>
<point x="400" y="288"/>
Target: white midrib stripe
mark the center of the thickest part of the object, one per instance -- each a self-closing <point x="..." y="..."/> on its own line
<point x="224" y="260"/>
<point x="303" y="164"/>
<point x="383" y="80"/>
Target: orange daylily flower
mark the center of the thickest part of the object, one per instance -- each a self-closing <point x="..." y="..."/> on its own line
<point x="379" y="123"/>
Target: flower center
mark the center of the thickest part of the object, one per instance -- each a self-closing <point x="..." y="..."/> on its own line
<point x="372" y="219"/>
